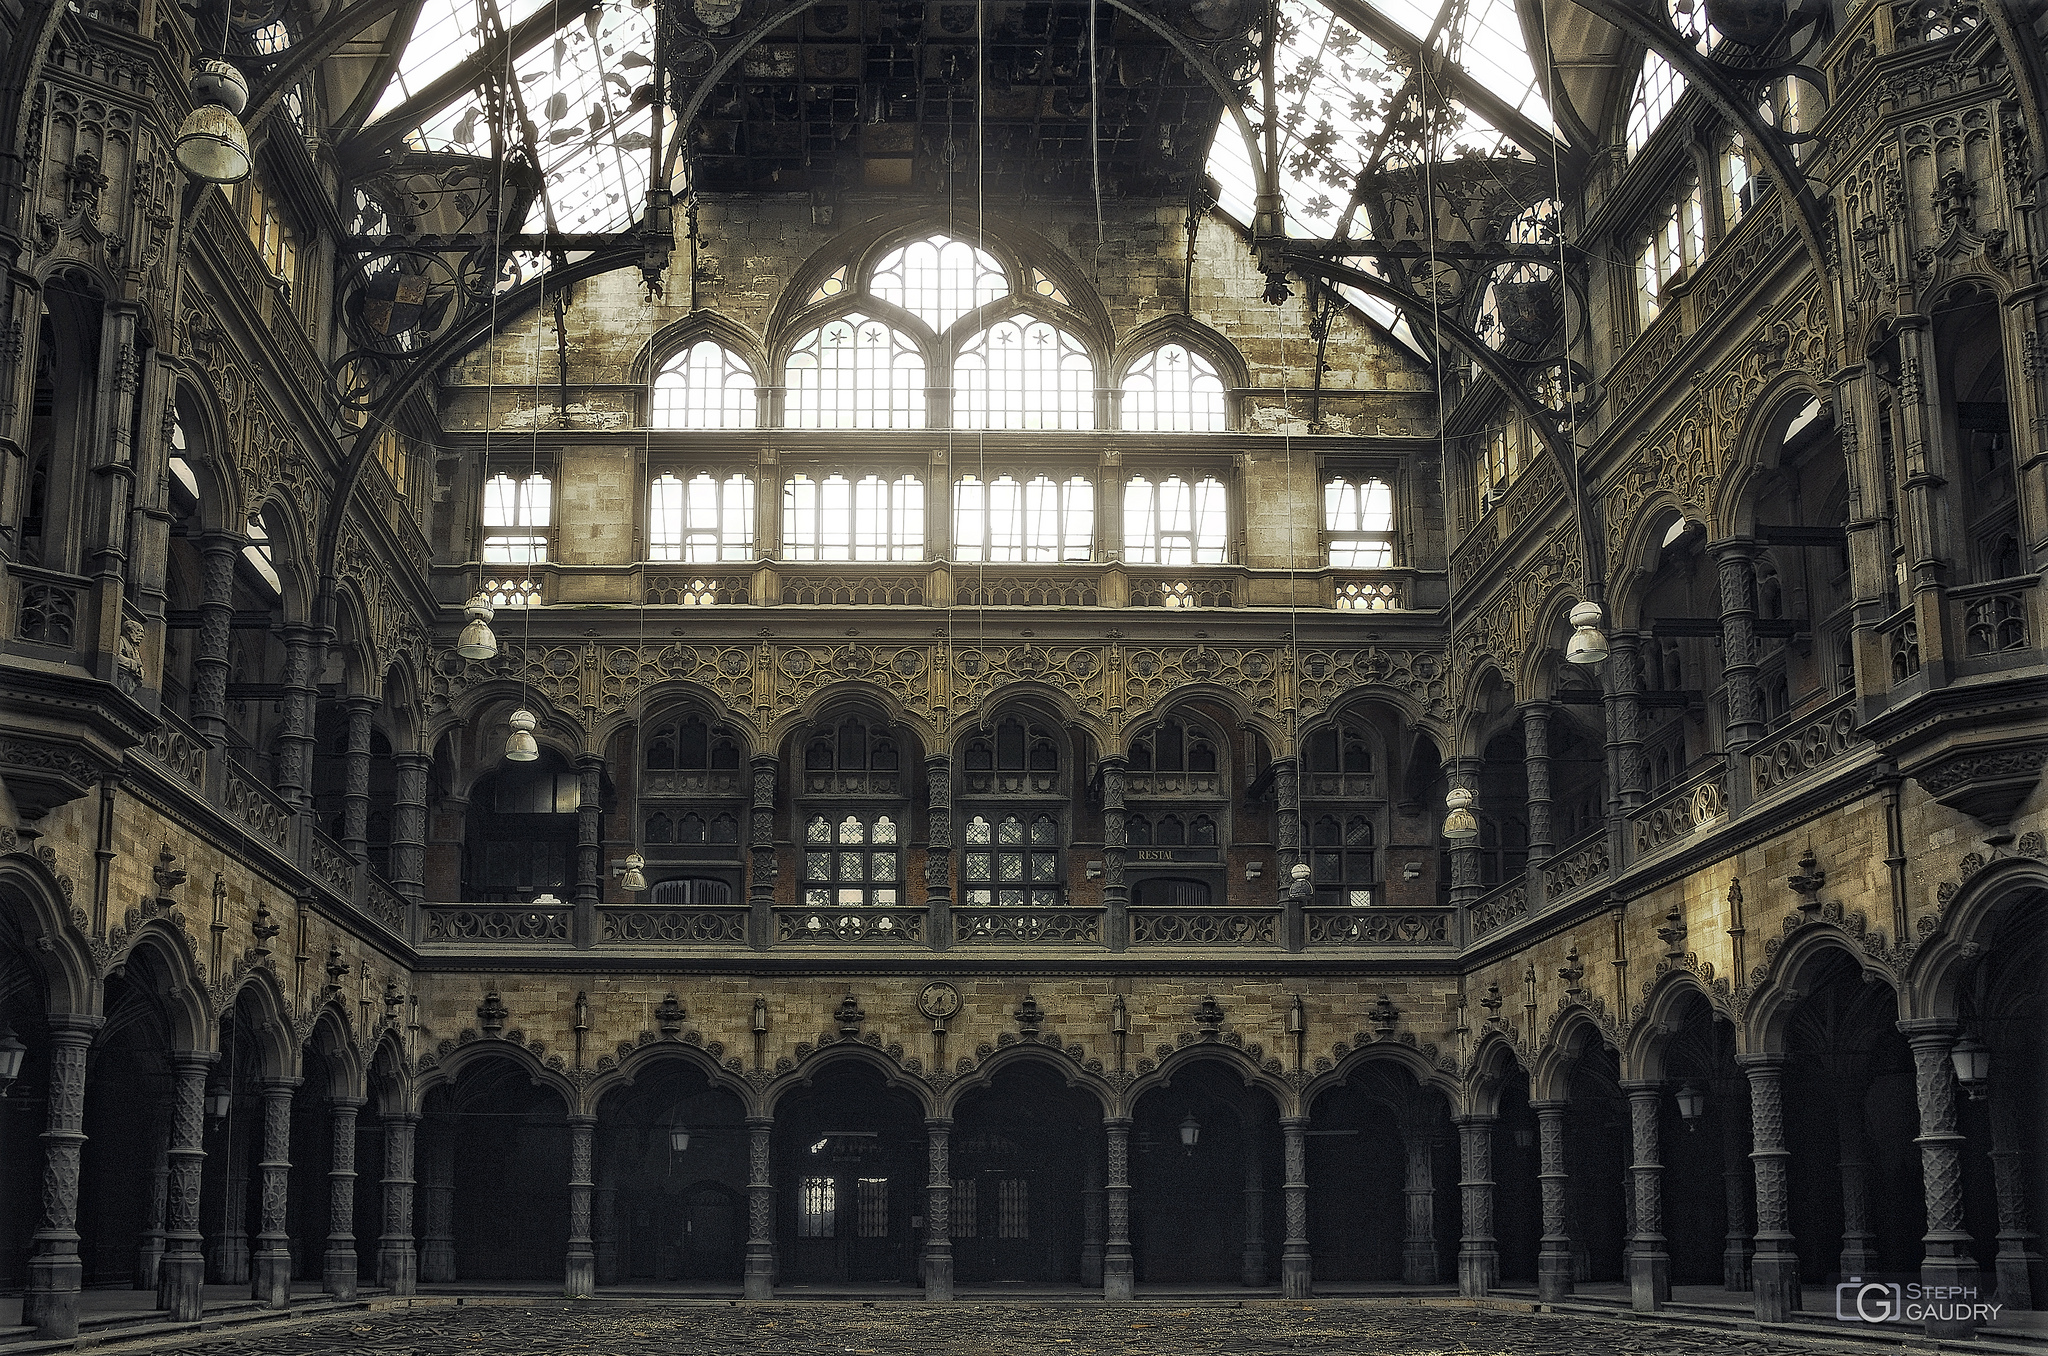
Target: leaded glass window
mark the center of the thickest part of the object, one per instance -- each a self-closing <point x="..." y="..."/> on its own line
<point x="1024" y="374"/>
<point x="834" y="518"/>
<point x="1358" y="517"/>
<point x="1175" y="522"/>
<point x="939" y="279"/>
<point x="701" y="520"/>
<point x="1039" y="519"/>
<point x="1012" y="863"/>
<point x="854" y="372"/>
<point x="1656" y="94"/>
<point x="1672" y="246"/>
<point x="517" y="514"/>
<point x="1341" y="860"/>
<point x="873" y="1201"/>
<point x="705" y="386"/>
<point x="1173" y="389"/>
<point x="851" y="859"/>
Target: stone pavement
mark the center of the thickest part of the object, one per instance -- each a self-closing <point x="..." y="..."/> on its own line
<point x="892" y="1328"/>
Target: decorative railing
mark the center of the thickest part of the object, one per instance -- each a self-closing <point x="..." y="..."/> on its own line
<point x="696" y="926"/>
<point x="1919" y="21"/>
<point x="849" y="925"/>
<point x="905" y="588"/>
<point x="332" y="865"/>
<point x="178" y="749"/>
<point x="470" y="923"/>
<point x="257" y="808"/>
<point x="1377" y="927"/>
<point x="1497" y="908"/>
<point x="1901" y="636"/>
<point x="1699" y="800"/>
<point x="1371" y="595"/>
<point x="1204" y="927"/>
<point x="1349" y="785"/>
<point x="984" y="926"/>
<point x="698" y="590"/>
<point x="385" y="904"/>
<point x="981" y="783"/>
<point x="692" y="784"/>
<point x="1797" y="752"/>
<point x="1579" y="864"/>
<point x="1994" y="616"/>
<point x="1183" y="591"/>
<point x="49" y="607"/>
<point x="1141" y="784"/>
<point x="851" y="783"/>
<point x="975" y="587"/>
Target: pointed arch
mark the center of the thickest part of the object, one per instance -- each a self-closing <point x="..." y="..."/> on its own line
<point x="1286" y="1102"/>
<point x="1768" y="1013"/>
<point x="270" y="1024"/>
<point x="1660" y="1019"/>
<point x="1755" y="448"/>
<point x="982" y="1076"/>
<point x="446" y="1070"/>
<point x="174" y="978"/>
<point x="1571" y="1028"/>
<point x="1497" y="1056"/>
<point x="1967" y="929"/>
<point x="330" y="1036"/>
<point x="35" y="918"/>
<point x="642" y="1060"/>
<point x="888" y="1063"/>
<point x="1427" y="1073"/>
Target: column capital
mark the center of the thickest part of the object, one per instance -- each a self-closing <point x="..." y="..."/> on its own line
<point x="412" y="758"/>
<point x="938" y="1122"/>
<point x="1116" y="1122"/>
<point x="194" y="1059"/>
<point x="1773" y="1060"/>
<point x="941" y="761"/>
<point x="72" y="1028"/>
<point x="760" y="1122"/>
<point x="1474" y="1118"/>
<point x="1294" y="1122"/>
<point x="1930" y="1030"/>
<point x="1542" y="709"/>
<point x="1554" y="1105"/>
<point x="1745" y="547"/>
<point x="578" y="1118"/>
<point x="346" y="1103"/>
<point x="274" y="1086"/>
<point x="400" y="1117"/>
<point x="1643" y="1087"/>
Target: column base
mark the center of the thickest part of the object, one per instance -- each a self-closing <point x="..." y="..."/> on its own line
<point x="579" y="1275"/>
<point x="271" y="1278"/>
<point x="1091" y="1264"/>
<point x="437" y="1260"/>
<point x="1858" y="1259"/>
<point x="1253" y="1270"/>
<point x="938" y="1277"/>
<point x="1774" y="1285"/>
<point x="2019" y="1278"/>
<point x="1418" y="1264"/>
<point x="338" y="1273"/>
<point x="148" y="1258"/>
<point x="181" y="1286"/>
<point x="759" y="1280"/>
<point x="1553" y="1276"/>
<point x="1735" y="1267"/>
<point x="1297" y="1277"/>
<point x="50" y="1304"/>
<point x="1649" y="1281"/>
<point x="398" y="1268"/>
<point x="1957" y="1272"/>
<point x="1119" y="1279"/>
<point x="1478" y="1273"/>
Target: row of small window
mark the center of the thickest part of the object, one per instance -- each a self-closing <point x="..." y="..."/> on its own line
<point x="818" y="1214"/>
<point x="707" y="519"/>
<point x="856" y="372"/>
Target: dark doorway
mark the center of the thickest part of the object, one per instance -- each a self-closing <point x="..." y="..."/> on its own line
<point x="672" y="1179"/>
<point x="1024" y="1152"/>
<point x="1208" y="1211"/>
<point x="849" y="1171"/>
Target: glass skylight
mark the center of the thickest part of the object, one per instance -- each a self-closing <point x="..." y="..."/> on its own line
<point x="444" y="35"/>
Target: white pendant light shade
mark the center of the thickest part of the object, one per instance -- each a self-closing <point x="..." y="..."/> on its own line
<point x="635" y="877"/>
<point x="520" y="745"/>
<point x="211" y="144"/>
<point x="1460" y="825"/>
<point x="1588" y="644"/>
<point x="477" y="640"/>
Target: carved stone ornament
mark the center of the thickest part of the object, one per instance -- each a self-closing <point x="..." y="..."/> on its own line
<point x="1986" y="784"/>
<point x="492" y="1013"/>
<point x="670" y="1015"/>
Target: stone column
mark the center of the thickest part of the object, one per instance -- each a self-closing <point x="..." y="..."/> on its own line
<point x="1624" y="718"/>
<point x="1859" y="1244"/>
<point x="2019" y="1264"/>
<point x="56" y="1273"/>
<point x="1418" y="1198"/>
<point x="1119" y="1269"/>
<point x="218" y="553"/>
<point x="1735" y="561"/>
<point x="1536" y="771"/>
<point x="1554" y="1262"/>
<point x="1287" y="836"/>
<point x="1297" y="1267"/>
<point x="605" y="1227"/>
<point x="1465" y="886"/>
<point x="760" y="1265"/>
<point x="1649" y="1265"/>
<point x="1116" y="895"/>
<point x="589" y="848"/>
<point x="938" y="857"/>
<point x="295" y="734"/>
<point x="230" y="1247"/>
<point x="1774" y="1269"/>
<point x="763" y="771"/>
<point x="938" y="1209"/>
<point x="437" y="1201"/>
<point x="1582" y="1255"/>
<point x="355" y="805"/>
<point x="272" y="1273"/>
<point x="1946" y="1259"/>
<point x="182" y="1278"/>
<point x="409" y="827"/>
<point x="579" y="1271"/>
<point x="149" y="1255"/>
<point x="1735" y="1180"/>
<point x="1091" y="1219"/>
<point x="338" y="1264"/>
<point x="397" y="1263"/>
<point x="1478" y="1256"/>
<point x="1252" y="1257"/>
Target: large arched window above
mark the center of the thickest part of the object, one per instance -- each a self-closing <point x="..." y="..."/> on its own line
<point x="1173" y="389"/>
<point x="705" y="386"/>
<point x="1656" y="94"/>
<point x="855" y="372"/>
<point x="939" y="279"/>
<point x="1024" y="374"/>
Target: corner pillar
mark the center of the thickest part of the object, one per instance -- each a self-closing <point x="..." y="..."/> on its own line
<point x="938" y="1209"/>
<point x="338" y="1263"/>
<point x="1774" y="1268"/>
<point x="397" y="1263"/>
<point x="759" y="1281"/>
<point x="1297" y="1266"/>
<point x="181" y="1280"/>
<point x="1649" y="1263"/>
<point x="1478" y="1253"/>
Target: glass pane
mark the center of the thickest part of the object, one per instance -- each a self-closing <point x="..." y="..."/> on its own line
<point x="884" y="898"/>
<point x="855" y="373"/>
<point x="851" y="830"/>
<point x="1044" y="866"/>
<point x="1024" y="374"/>
<point x="1174" y="390"/>
<point x="977" y="830"/>
<point x="1011" y="830"/>
<point x="817" y="830"/>
<point x="705" y="386"/>
<point x="819" y="1210"/>
<point x="853" y="897"/>
<point x="882" y="866"/>
<point x="1010" y="865"/>
<point x="817" y="866"/>
<point x="817" y="899"/>
<point x="939" y="279"/>
<point x="1043" y="830"/>
<point x="851" y="866"/>
<point x="1010" y="899"/>
<point x="978" y="866"/>
<point x="885" y="830"/>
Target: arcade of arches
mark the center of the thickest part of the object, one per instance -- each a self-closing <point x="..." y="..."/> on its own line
<point x="794" y="649"/>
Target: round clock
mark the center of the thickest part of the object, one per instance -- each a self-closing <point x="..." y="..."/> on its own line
<point x="939" y="1000"/>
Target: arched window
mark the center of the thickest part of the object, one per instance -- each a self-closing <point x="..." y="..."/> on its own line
<point x="1656" y="94"/>
<point x="1173" y="389"/>
<point x="702" y="520"/>
<point x="1341" y="861"/>
<point x="939" y="279"/>
<point x="1024" y="374"/>
<point x="705" y="386"/>
<point x="517" y="516"/>
<point x="855" y="372"/>
<point x="1175" y="522"/>
<point x="852" y="758"/>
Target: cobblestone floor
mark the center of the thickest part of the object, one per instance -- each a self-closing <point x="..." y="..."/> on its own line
<point x="1317" y="1328"/>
